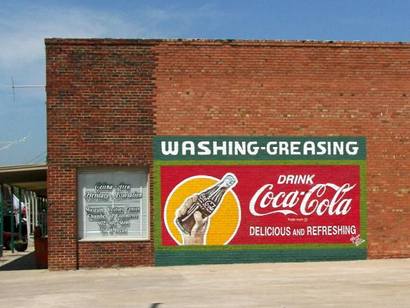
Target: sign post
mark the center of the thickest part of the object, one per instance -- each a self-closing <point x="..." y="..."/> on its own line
<point x="20" y="237"/>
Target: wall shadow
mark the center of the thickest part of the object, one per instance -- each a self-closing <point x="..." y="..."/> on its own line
<point x="26" y="262"/>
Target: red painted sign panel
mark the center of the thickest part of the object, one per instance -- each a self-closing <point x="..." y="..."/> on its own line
<point x="259" y="204"/>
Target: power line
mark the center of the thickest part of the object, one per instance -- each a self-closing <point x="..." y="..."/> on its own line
<point x="14" y="87"/>
<point x="38" y="157"/>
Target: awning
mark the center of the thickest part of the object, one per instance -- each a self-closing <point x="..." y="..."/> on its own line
<point x="29" y="177"/>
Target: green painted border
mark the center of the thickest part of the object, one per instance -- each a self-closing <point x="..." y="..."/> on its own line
<point x="262" y="142"/>
<point x="165" y="258"/>
<point x="168" y="255"/>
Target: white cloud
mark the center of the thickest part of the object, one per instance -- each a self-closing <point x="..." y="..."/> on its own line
<point x="4" y="145"/>
<point x="22" y="33"/>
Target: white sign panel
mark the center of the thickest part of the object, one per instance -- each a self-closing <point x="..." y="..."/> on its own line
<point x="113" y="205"/>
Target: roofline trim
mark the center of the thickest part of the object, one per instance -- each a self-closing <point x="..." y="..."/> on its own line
<point x="22" y="168"/>
<point x="224" y="42"/>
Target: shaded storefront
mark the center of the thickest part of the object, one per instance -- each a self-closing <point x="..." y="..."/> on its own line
<point x="23" y="207"/>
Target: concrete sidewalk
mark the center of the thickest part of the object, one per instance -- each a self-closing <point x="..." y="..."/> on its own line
<point x="375" y="283"/>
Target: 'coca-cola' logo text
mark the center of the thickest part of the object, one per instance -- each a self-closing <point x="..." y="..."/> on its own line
<point x="321" y="199"/>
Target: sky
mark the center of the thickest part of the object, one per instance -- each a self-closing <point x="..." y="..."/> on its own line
<point x="25" y="24"/>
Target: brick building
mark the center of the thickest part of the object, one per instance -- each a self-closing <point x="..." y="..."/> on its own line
<point x="107" y="99"/>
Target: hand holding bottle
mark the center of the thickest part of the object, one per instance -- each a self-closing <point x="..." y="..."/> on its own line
<point x="206" y="202"/>
<point x="198" y="232"/>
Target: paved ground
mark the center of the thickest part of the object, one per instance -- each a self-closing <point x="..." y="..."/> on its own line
<point x="376" y="283"/>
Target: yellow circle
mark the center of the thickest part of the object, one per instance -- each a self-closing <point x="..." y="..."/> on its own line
<point x="223" y="223"/>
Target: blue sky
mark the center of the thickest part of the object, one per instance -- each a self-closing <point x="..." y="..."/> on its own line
<point x="25" y="24"/>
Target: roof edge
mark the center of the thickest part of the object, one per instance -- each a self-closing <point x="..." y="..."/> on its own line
<point x="20" y="168"/>
<point x="231" y="42"/>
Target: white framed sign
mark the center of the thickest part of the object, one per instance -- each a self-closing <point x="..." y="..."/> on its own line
<point x="113" y="204"/>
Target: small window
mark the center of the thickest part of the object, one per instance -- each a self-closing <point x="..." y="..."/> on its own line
<point x="113" y="205"/>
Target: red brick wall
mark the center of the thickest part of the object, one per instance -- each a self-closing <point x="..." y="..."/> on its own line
<point x="106" y="98"/>
<point x="99" y="114"/>
<point x="301" y="89"/>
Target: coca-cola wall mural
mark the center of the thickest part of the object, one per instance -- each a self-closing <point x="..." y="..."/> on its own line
<point x="259" y="199"/>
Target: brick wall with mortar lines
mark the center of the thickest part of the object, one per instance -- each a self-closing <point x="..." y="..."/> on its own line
<point x="301" y="89"/>
<point x="106" y="98"/>
<point x="99" y="115"/>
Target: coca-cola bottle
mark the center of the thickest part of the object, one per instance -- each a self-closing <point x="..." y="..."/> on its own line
<point x="207" y="202"/>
